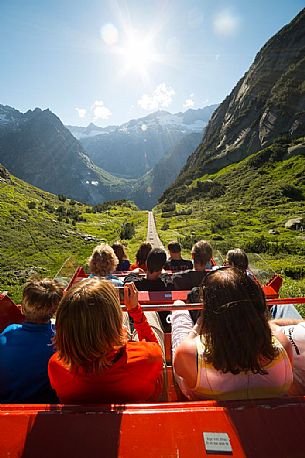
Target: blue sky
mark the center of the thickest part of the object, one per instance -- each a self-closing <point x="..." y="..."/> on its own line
<point x="111" y="61"/>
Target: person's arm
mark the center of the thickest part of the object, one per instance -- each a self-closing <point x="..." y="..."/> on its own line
<point x="185" y="362"/>
<point x="135" y="311"/>
<point x="285" y="322"/>
<point x="276" y="331"/>
<point x="182" y="327"/>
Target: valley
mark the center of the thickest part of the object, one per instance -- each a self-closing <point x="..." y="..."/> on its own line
<point x="232" y="174"/>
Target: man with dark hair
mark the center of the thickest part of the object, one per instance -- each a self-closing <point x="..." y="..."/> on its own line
<point x="175" y="262"/>
<point x="154" y="280"/>
<point x="202" y="254"/>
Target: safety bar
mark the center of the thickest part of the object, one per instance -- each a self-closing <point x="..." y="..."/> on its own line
<point x="198" y="305"/>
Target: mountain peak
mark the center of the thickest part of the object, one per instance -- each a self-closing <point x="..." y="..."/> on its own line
<point x="92" y="126"/>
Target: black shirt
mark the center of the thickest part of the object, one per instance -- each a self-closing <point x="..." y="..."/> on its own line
<point x="188" y="279"/>
<point x="178" y="265"/>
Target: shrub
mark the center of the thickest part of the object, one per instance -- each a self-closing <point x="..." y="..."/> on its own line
<point x="257" y="245"/>
<point x="221" y="224"/>
<point x="164" y="227"/>
<point x="49" y="208"/>
<point x="184" y="212"/>
<point x="292" y="192"/>
<point x="127" y="231"/>
<point x="62" y="197"/>
<point x="31" y="205"/>
<point x="168" y="208"/>
<point x="295" y="272"/>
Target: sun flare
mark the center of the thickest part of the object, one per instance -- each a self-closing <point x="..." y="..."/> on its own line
<point x="137" y="53"/>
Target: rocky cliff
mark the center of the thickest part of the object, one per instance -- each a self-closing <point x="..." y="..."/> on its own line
<point x="268" y="102"/>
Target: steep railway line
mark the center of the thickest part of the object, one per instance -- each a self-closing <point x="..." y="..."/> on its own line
<point x="152" y="234"/>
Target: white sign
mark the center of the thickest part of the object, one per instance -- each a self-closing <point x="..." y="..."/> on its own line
<point x="217" y="443"/>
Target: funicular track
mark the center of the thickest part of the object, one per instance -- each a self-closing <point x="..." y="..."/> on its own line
<point x="152" y="234"/>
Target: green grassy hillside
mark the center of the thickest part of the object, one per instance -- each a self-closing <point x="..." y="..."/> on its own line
<point x="39" y="232"/>
<point x="246" y="205"/>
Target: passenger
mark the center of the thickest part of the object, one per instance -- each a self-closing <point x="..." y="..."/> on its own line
<point x="230" y="354"/>
<point x="124" y="263"/>
<point x="141" y="257"/>
<point x="154" y="280"/>
<point x="294" y="330"/>
<point x="202" y="254"/>
<point x="238" y="258"/>
<point x="26" y="348"/>
<point x="103" y="262"/>
<point x="175" y="262"/>
<point x="94" y="361"/>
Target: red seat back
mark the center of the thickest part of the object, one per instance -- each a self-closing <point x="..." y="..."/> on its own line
<point x="79" y="274"/>
<point x="9" y="312"/>
<point x="272" y="288"/>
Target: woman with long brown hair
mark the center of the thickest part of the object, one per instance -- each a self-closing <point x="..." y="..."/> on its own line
<point x="94" y="361"/>
<point x="231" y="353"/>
<point x="141" y="256"/>
<point x="124" y="263"/>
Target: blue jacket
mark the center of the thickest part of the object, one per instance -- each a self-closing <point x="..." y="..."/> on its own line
<point x="25" y="350"/>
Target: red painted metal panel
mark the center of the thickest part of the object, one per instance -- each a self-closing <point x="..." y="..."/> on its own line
<point x="161" y="297"/>
<point x="271" y="428"/>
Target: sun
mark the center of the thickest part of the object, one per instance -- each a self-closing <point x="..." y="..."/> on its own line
<point x="137" y="53"/>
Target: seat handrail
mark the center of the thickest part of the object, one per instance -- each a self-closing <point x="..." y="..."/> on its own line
<point x="197" y="306"/>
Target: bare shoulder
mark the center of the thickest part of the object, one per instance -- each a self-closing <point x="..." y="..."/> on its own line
<point x="187" y="346"/>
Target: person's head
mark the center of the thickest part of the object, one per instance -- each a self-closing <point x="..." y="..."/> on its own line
<point x="235" y="322"/>
<point x="237" y="258"/>
<point x="142" y="253"/>
<point x="202" y="253"/>
<point x="103" y="260"/>
<point x="155" y="260"/>
<point x="174" y="249"/>
<point x="89" y="325"/>
<point x="119" y="250"/>
<point x="40" y="299"/>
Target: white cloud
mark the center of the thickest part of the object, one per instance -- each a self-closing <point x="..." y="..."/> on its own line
<point x="100" y="111"/>
<point x="81" y="112"/>
<point x="189" y="103"/>
<point x="226" y="23"/>
<point x="161" y="97"/>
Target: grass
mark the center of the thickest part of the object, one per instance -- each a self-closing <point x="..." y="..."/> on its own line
<point x="38" y="241"/>
<point x="239" y="205"/>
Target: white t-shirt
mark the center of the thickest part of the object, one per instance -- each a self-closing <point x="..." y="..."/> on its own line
<point x="296" y="336"/>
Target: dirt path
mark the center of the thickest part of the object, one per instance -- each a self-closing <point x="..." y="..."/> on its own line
<point x="152" y="234"/>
